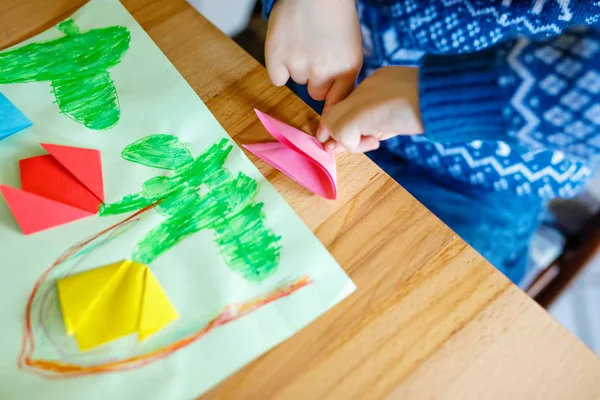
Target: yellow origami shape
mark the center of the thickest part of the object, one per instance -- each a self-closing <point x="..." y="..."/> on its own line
<point x="113" y="301"/>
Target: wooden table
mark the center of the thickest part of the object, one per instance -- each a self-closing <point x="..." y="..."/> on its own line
<point x="430" y="319"/>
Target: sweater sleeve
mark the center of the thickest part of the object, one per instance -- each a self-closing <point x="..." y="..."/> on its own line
<point x="536" y="94"/>
<point x="467" y="26"/>
<point x="535" y="19"/>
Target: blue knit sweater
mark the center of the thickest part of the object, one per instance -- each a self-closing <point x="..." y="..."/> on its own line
<point x="509" y="89"/>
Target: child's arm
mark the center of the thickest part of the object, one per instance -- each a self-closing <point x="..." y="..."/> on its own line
<point x="315" y="42"/>
<point x="536" y="94"/>
<point x="448" y="27"/>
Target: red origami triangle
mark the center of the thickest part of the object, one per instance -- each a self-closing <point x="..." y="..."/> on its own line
<point x="84" y="164"/>
<point x="46" y="177"/>
<point x="35" y="213"/>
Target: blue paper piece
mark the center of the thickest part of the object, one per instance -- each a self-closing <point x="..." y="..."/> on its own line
<point x="11" y="119"/>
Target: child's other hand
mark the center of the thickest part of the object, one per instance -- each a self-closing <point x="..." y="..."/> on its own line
<point x="384" y="105"/>
<point x="316" y="42"/>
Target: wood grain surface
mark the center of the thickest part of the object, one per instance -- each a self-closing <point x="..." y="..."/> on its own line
<point x="431" y="319"/>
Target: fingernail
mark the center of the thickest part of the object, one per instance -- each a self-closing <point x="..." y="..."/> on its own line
<point x="331" y="147"/>
<point x="322" y="135"/>
<point x="339" y="149"/>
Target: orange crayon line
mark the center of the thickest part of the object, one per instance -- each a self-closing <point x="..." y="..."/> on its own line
<point x="229" y="314"/>
<point x="57" y="369"/>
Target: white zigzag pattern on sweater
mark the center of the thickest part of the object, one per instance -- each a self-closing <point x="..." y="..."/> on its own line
<point x="502" y="18"/>
<point x="513" y="169"/>
<point x="518" y="99"/>
<point x="566" y="15"/>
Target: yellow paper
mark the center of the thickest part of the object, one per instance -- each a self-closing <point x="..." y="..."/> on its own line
<point x="113" y="301"/>
<point x="80" y="292"/>
<point x="156" y="309"/>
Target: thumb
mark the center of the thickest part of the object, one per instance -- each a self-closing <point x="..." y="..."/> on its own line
<point x="340" y="89"/>
<point x="348" y="135"/>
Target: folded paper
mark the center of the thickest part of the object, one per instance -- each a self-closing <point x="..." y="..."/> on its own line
<point x="298" y="155"/>
<point x="11" y="119"/>
<point x="57" y="188"/>
<point x="110" y="302"/>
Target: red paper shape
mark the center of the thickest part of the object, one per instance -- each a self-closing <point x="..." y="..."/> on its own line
<point x="42" y="175"/>
<point x="58" y="188"/>
<point x="299" y="156"/>
<point x="35" y="213"/>
<point x="84" y="164"/>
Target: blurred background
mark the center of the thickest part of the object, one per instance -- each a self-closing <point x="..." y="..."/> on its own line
<point x="564" y="275"/>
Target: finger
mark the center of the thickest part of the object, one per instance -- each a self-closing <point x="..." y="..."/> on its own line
<point x="334" y="147"/>
<point x="322" y="133"/>
<point x="340" y="89"/>
<point x="328" y="120"/>
<point x="367" y="143"/>
<point x="386" y="136"/>
<point x="348" y="136"/>
<point x="278" y="73"/>
<point x="299" y="75"/>
<point x="329" y="125"/>
<point x="340" y="124"/>
<point x="318" y="88"/>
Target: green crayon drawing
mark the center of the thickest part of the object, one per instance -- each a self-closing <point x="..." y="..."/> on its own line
<point x="200" y="194"/>
<point x="76" y="65"/>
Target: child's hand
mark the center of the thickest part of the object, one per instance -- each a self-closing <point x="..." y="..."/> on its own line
<point x="384" y="105"/>
<point x="316" y="42"/>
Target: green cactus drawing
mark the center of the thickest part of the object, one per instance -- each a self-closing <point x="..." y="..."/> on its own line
<point x="76" y="65"/>
<point x="200" y="194"/>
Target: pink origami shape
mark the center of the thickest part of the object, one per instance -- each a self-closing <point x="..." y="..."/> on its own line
<point x="57" y="188"/>
<point x="298" y="155"/>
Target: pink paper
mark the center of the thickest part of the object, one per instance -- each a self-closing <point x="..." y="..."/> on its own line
<point x="298" y="155"/>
